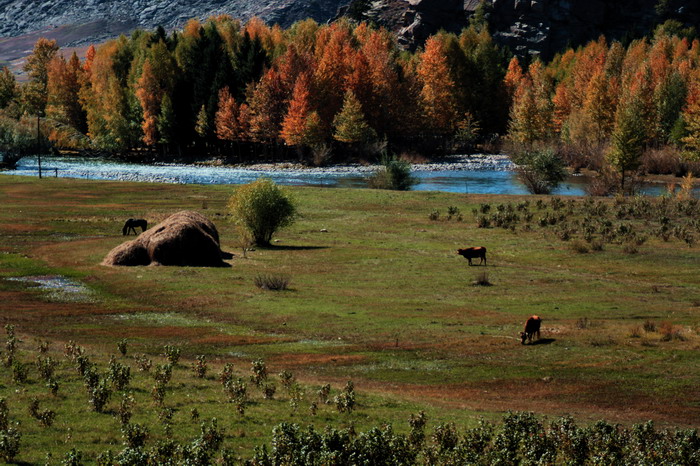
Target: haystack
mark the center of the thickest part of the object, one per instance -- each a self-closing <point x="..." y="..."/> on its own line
<point x="186" y="238"/>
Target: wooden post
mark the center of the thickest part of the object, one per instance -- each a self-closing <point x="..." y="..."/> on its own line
<point x="38" y="145"/>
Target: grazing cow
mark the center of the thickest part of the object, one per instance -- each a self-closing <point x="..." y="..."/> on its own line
<point x="132" y="224"/>
<point x="473" y="253"/>
<point x="532" y="327"/>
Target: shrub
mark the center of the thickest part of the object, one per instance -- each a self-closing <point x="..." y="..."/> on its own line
<point x="259" y="372"/>
<point x="453" y="211"/>
<point x="99" y="395"/>
<point x="670" y="332"/>
<point x="483" y="222"/>
<point x="46" y="367"/>
<point x="73" y="458"/>
<point x="9" y="443"/>
<point x="172" y="354"/>
<point x="45" y="417"/>
<point x="122" y="346"/>
<point x="125" y="409"/>
<point x="226" y="373"/>
<point x="164" y="373"/>
<point x="579" y="246"/>
<point x="482" y="279"/>
<point x="583" y="323"/>
<point x="200" y="367"/>
<point x="394" y="174"/>
<point x="323" y="393"/>
<point x="271" y="282"/>
<point x="649" y="326"/>
<point x="134" y="435"/>
<point x="118" y="374"/>
<point x="596" y="245"/>
<point x="262" y="208"/>
<point x="434" y="215"/>
<point x="540" y="171"/>
<point x="630" y="247"/>
<point x="144" y="363"/>
<point x="268" y="390"/>
<point x="345" y="401"/>
<point x="287" y="379"/>
<point x="296" y="395"/>
<point x="665" y="161"/>
<point x="237" y="392"/>
<point x="19" y="372"/>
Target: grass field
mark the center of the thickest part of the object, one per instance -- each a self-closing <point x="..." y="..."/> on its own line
<point x="380" y="298"/>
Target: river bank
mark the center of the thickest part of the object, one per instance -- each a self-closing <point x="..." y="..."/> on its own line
<point x="471" y="162"/>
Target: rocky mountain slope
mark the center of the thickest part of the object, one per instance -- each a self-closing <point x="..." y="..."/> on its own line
<point x="539" y="27"/>
<point x="18" y="17"/>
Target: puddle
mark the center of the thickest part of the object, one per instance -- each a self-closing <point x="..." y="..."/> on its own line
<point x="59" y="288"/>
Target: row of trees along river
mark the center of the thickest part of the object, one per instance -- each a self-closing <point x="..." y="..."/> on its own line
<point x="346" y="91"/>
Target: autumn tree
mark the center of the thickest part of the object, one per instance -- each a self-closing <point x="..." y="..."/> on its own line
<point x="532" y="111"/>
<point x="8" y="87"/>
<point x="36" y="67"/>
<point x="329" y="82"/>
<point x="63" y="89"/>
<point x="599" y="105"/>
<point x="438" y="92"/>
<point x="268" y="104"/>
<point x="113" y="113"/>
<point x="294" y="124"/>
<point x="226" y="120"/>
<point x="691" y="120"/>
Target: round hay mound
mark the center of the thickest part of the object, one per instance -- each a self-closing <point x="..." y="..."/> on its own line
<point x="186" y="238"/>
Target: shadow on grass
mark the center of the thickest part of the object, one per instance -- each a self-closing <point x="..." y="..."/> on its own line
<point x="543" y="341"/>
<point x="290" y="248"/>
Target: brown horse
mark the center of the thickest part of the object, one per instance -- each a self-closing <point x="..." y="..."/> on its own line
<point x="132" y="224"/>
<point x="478" y="252"/>
<point x="532" y="327"/>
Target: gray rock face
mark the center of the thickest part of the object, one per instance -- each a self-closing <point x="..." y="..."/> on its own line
<point x="19" y="17"/>
<point x="532" y="27"/>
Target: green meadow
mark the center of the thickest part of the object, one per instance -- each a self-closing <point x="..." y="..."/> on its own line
<point x="377" y="296"/>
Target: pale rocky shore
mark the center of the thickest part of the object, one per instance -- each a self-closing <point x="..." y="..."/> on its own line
<point x="471" y="162"/>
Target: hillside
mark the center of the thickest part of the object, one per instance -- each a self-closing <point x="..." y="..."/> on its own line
<point x="532" y="27"/>
<point x="19" y="17"/>
<point x="72" y="23"/>
<point x="536" y="27"/>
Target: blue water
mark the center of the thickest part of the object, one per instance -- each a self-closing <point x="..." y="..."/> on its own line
<point x="457" y="181"/>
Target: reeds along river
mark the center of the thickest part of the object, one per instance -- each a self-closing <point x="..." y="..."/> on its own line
<point x="474" y="174"/>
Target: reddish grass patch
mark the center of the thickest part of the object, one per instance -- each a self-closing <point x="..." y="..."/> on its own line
<point x="25" y="227"/>
<point x="235" y="340"/>
<point x="312" y="359"/>
<point x="161" y="333"/>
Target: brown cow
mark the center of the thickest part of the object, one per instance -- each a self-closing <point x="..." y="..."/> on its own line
<point x="532" y="327"/>
<point x="473" y="253"/>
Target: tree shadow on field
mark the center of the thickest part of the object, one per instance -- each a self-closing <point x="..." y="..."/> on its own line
<point x="543" y="341"/>
<point x="290" y="248"/>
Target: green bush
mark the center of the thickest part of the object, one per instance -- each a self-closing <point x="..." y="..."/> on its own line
<point x="540" y="171"/>
<point x="394" y="174"/>
<point x="262" y="208"/>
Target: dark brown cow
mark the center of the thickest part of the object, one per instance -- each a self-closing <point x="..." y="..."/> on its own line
<point x="532" y="327"/>
<point x="473" y="253"/>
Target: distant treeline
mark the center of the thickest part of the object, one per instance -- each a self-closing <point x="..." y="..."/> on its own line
<point x="220" y="88"/>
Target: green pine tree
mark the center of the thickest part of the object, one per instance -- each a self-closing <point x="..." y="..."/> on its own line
<point x="628" y="139"/>
<point x="350" y="124"/>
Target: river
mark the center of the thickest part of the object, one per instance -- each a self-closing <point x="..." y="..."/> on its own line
<point x="474" y="174"/>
